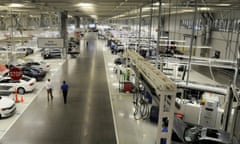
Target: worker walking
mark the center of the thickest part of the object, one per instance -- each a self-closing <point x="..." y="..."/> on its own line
<point x="64" y="88"/>
<point x="49" y="88"/>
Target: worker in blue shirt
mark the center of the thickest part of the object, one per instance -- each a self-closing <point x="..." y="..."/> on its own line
<point x="64" y="88"/>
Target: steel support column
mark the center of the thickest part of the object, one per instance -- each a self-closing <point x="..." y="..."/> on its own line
<point x="77" y="21"/>
<point x="63" y="31"/>
<point x="192" y="39"/>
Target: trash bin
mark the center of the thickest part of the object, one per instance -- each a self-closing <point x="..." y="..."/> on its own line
<point x="128" y="87"/>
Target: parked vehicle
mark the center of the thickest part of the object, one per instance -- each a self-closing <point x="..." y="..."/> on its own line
<point x="198" y="135"/>
<point x="33" y="72"/>
<point x="26" y="50"/>
<point x="7" y="107"/>
<point x="120" y="61"/>
<point x="51" y="53"/>
<point x="38" y="65"/>
<point x="4" y="73"/>
<point x="25" y="84"/>
<point x="3" y="49"/>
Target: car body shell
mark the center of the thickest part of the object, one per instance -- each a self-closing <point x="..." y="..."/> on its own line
<point x="25" y="84"/>
<point x="7" y="107"/>
<point x="38" y="65"/>
<point x="34" y="72"/>
<point x="26" y="50"/>
<point x="198" y="134"/>
<point x="51" y="53"/>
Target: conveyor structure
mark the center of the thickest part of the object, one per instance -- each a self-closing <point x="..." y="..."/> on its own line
<point x="212" y="62"/>
<point x="164" y="87"/>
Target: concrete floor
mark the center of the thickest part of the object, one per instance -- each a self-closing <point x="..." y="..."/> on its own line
<point x="85" y="119"/>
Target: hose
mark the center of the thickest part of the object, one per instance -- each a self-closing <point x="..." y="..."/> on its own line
<point x="141" y="106"/>
<point x="210" y="69"/>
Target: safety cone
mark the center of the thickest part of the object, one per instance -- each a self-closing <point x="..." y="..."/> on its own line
<point x="16" y="96"/>
<point x="22" y="99"/>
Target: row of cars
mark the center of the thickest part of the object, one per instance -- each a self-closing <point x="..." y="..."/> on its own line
<point x="33" y="71"/>
<point x="24" y="50"/>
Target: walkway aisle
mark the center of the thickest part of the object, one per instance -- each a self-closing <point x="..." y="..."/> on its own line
<point x="86" y="119"/>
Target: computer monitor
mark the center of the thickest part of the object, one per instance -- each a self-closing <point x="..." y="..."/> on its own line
<point x="92" y="25"/>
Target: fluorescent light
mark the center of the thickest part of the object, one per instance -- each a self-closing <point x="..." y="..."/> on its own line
<point x="85" y="4"/>
<point x="15" y="5"/>
<point x="204" y="9"/>
<point x="157" y="4"/>
<point x="223" y="4"/>
<point x="148" y="8"/>
<point x="94" y="16"/>
<point x="87" y="7"/>
<point x="188" y="10"/>
<point x="145" y="15"/>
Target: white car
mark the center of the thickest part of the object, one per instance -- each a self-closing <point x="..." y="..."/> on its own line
<point x="4" y="73"/>
<point x="7" y="107"/>
<point x="25" y="84"/>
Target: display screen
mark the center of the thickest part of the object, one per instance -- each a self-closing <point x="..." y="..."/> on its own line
<point x="92" y="25"/>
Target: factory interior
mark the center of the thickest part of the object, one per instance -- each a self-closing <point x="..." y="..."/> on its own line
<point x="119" y="71"/>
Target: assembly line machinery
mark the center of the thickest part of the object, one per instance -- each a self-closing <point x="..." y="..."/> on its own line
<point x="164" y="88"/>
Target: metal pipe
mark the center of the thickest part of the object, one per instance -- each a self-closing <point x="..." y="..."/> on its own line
<point x="228" y="109"/>
<point x="175" y="25"/>
<point x="150" y="28"/>
<point x="228" y="46"/>
<point x="140" y="25"/>
<point x="158" y="35"/>
<point x="237" y="51"/>
<point x="13" y="57"/>
<point x="191" y="43"/>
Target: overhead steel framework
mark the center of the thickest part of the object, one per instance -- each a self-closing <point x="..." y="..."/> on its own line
<point x="165" y="89"/>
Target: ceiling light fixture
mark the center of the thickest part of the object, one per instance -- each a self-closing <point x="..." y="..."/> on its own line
<point x="88" y="8"/>
<point x="148" y="8"/>
<point x="85" y="4"/>
<point x="223" y="4"/>
<point x="157" y="4"/>
<point x="94" y="16"/>
<point x="204" y="9"/>
<point x="15" y="5"/>
<point x="187" y="10"/>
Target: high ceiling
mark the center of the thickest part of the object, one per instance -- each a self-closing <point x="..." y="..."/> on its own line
<point x="101" y="8"/>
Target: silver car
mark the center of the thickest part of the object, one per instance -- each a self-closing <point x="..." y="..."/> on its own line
<point x="51" y="53"/>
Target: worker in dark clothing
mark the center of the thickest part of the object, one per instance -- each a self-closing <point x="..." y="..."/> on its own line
<point x="64" y="88"/>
